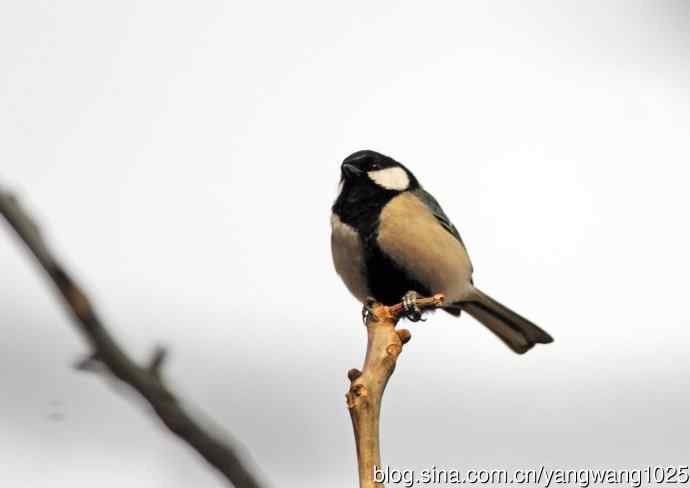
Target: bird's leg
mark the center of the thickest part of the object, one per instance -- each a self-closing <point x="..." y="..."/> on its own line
<point x="368" y="310"/>
<point x="410" y="307"/>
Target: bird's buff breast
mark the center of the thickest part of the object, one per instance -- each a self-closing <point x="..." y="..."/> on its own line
<point x="348" y="257"/>
<point x="412" y="237"/>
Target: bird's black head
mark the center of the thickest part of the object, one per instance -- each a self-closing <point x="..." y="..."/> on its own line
<point x="368" y="181"/>
<point x="369" y="169"/>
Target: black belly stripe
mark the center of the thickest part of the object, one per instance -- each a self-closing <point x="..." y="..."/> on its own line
<point x="387" y="281"/>
<point x="360" y="208"/>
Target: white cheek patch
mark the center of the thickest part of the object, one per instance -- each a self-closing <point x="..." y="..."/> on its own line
<point x="391" y="178"/>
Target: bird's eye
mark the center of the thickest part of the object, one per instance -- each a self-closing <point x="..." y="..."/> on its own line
<point x="375" y="166"/>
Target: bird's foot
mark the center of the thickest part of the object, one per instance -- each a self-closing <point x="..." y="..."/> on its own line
<point x="368" y="310"/>
<point x="410" y="308"/>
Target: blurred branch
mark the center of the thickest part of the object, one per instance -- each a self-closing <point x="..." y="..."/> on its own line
<point x="384" y="345"/>
<point x="146" y="380"/>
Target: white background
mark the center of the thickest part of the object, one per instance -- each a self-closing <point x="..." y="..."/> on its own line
<point x="182" y="158"/>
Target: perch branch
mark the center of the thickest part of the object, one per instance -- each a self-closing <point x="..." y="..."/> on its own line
<point x="384" y="345"/>
<point x="145" y="380"/>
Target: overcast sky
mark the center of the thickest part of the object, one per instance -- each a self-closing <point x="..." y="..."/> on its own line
<point x="182" y="158"/>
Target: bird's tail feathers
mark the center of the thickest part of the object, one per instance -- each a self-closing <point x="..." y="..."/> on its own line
<point x="515" y="331"/>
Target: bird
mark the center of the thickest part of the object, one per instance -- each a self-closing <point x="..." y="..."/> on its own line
<point x="392" y="242"/>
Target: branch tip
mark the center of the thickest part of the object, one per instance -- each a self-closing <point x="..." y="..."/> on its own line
<point x="384" y="345"/>
<point x="157" y="359"/>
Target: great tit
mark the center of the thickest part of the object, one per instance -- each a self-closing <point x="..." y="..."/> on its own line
<point x="391" y="240"/>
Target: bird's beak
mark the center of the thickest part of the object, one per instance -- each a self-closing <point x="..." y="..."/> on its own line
<point x="350" y="170"/>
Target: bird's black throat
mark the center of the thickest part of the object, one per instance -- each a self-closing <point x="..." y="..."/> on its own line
<point x="360" y="206"/>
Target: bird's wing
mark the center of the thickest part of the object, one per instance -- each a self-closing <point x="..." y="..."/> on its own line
<point x="438" y="212"/>
<point x="435" y="207"/>
<point x="412" y="236"/>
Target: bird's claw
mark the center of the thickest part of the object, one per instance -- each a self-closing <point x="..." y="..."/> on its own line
<point x="368" y="310"/>
<point x="410" y="307"/>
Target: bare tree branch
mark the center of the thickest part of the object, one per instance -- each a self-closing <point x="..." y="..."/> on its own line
<point x="145" y="380"/>
<point x="384" y="345"/>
